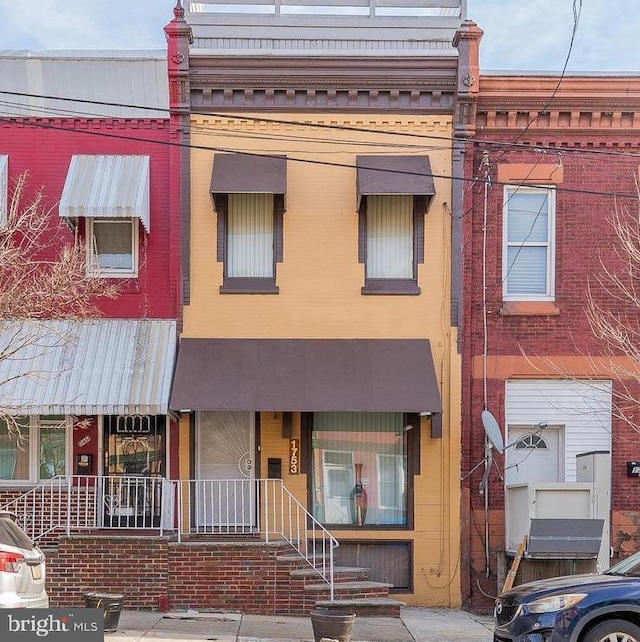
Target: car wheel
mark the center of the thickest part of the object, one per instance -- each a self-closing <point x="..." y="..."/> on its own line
<point x="613" y="631"/>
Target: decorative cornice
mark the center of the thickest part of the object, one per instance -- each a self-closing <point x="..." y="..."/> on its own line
<point x="338" y="98"/>
<point x="602" y="103"/>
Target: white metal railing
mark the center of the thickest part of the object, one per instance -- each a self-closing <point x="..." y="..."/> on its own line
<point x="188" y="507"/>
<point x="264" y="506"/>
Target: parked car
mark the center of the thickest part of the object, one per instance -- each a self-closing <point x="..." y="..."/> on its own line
<point x="594" y="607"/>
<point x="22" y="568"/>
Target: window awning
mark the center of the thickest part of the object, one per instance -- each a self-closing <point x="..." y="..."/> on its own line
<point x="248" y="173"/>
<point x="306" y="375"/>
<point x="107" y="187"/>
<point x="90" y="367"/>
<point x="394" y="175"/>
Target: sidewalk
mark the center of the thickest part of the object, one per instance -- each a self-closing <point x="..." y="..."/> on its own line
<point x="415" y="625"/>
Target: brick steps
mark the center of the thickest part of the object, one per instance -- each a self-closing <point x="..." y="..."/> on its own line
<point x="366" y="607"/>
<point x="353" y="590"/>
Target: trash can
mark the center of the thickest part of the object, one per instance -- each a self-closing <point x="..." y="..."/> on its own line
<point x="334" y="625"/>
<point x="111" y="603"/>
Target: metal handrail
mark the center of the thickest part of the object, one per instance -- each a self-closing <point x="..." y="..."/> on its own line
<point x="230" y="506"/>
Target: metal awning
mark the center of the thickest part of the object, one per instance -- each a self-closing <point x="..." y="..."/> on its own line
<point x="564" y="538"/>
<point x="89" y="367"/>
<point x="306" y="375"/>
<point x="107" y="187"/>
<point x="248" y="173"/>
<point x="394" y="175"/>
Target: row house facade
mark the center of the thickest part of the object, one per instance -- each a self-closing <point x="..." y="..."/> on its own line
<point x="318" y="365"/>
<point x="549" y="436"/>
<point x="91" y="395"/>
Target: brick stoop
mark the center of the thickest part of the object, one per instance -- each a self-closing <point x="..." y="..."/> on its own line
<point x="365" y="607"/>
<point x="352" y="589"/>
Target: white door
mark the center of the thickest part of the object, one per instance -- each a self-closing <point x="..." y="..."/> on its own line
<point x="225" y="446"/>
<point x="534" y="456"/>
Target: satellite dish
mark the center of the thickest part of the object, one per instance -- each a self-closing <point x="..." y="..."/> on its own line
<point x="492" y="430"/>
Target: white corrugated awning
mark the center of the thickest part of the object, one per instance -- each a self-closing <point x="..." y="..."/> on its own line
<point x="90" y="367"/>
<point x="107" y="187"/>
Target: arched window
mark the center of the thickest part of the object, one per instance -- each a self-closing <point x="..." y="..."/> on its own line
<point x="531" y="442"/>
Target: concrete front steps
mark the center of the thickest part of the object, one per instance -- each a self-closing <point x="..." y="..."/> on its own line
<point x="353" y="591"/>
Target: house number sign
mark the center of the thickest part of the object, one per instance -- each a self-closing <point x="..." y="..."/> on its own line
<point x="294" y="456"/>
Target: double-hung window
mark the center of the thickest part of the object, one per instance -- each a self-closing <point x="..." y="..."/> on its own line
<point x="393" y="196"/>
<point x="248" y="193"/>
<point x="528" y="243"/>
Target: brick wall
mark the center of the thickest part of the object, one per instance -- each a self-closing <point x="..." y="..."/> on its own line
<point x="153" y="571"/>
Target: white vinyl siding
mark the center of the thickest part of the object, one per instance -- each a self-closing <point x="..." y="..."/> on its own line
<point x="582" y="407"/>
<point x="250" y="236"/>
<point x="390" y="237"/>
<point x="528" y="253"/>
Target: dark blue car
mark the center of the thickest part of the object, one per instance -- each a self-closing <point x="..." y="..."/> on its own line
<point x="575" y="608"/>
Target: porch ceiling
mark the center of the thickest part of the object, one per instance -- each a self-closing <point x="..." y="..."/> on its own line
<point x="305" y="375"/>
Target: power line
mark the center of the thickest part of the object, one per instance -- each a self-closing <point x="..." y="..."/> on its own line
<point x="167" y="143"/>
<point x="448" y="139"/>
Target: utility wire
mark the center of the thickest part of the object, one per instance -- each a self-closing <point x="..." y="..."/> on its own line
<point x="280" y="121"/>
<point x="167" y="143"/>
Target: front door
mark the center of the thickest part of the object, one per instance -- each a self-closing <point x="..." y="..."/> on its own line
<point x="134" y="463"/>
<point x="226" y="495"/>
<point x="534" y="456"/>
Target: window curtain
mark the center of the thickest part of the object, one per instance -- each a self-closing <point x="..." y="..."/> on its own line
<point x="527" y="243"/>
<point x="250" y="229"/>
<point x="390" y="237"/>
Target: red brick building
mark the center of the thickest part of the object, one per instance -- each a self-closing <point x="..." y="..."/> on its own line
<point x="92" y="131"/>
<point x="547" y="435"/>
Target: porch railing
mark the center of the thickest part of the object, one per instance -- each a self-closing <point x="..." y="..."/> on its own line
<point x="187" y="507"/>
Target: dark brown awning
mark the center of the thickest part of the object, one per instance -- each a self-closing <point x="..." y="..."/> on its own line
<point x="306" y="375"/>
<point x="247" y="173"/>
<point x="394" y="175"/>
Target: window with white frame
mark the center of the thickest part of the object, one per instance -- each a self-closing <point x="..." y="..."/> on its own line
<point x="528" y="261"/>
<point x="34" y="448"/>
<point x="113" y="246"/>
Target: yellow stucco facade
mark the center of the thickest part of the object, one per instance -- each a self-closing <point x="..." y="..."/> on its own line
<point x="320" y="281"/>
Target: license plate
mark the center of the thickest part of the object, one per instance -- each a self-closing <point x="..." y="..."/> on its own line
<point x="36" y="572"/>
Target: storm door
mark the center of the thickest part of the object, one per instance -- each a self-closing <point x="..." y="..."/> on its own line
<point x="134" y="465"/>
<point x="226" y="493"/>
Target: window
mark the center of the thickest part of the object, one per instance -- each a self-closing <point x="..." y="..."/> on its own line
<point x="251" y="229"/>
<point x="248" y="192"/>
<point x="112" y="246"/>
<point x="250" y="225"/>
<point x="359" y="468"/>
<point x="34" y="448"/>
<point x="392" y="242"/>
<point x="528" y="243"/>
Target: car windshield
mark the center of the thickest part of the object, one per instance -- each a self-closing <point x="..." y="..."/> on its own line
<point x="629" y="566"/>
<point x="12" y="535"/>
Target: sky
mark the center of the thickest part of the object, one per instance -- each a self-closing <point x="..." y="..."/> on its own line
<point x="519" y="35"/>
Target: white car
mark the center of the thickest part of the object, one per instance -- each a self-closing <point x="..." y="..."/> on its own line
<point x="22" y="568"/>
